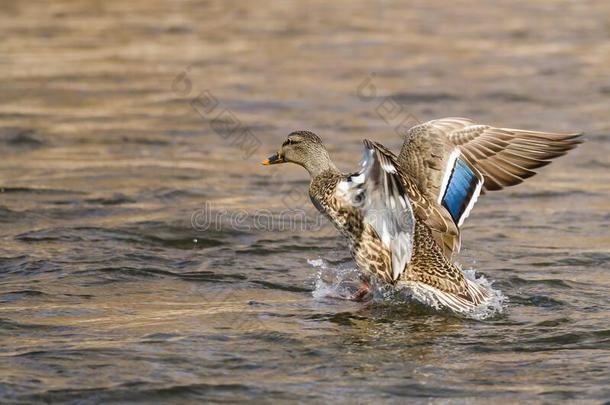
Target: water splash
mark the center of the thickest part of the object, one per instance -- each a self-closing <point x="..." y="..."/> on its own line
<point x="497" y="303"/>
<point x="333" y="281"/>
<point x="341" y="281"/>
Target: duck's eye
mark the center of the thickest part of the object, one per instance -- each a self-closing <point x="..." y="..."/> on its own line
<point x="289" y="142"/>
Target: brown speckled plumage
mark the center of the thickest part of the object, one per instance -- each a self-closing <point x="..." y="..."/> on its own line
<point x="365" y="246"/>
<point x="418" y="176"/>
<point x="428" y="264"/>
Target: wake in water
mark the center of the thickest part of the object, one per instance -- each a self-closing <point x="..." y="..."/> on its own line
<point x="341" y="281"/>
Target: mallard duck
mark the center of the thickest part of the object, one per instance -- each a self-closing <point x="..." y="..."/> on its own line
<point x="401" y="214"/>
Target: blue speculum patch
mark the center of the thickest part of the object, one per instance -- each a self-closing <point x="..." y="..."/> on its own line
<point x="459" y="191"/>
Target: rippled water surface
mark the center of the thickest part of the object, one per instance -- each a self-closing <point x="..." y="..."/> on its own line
<point x="146" y="255"/>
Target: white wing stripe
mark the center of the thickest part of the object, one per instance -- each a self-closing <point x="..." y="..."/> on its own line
<point x="471" y="203"/>
<point x="455" y="154"/>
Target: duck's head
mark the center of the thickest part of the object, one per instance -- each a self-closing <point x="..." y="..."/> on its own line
<point x="305" y="149"/>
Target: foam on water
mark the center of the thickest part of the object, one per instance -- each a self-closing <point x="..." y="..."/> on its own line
<point x="339" y="281"/>
<point x="333" y="281"/>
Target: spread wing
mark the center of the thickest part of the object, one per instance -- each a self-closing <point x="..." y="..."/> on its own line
<point x="446" y="183"/>
<point x="453" y="160"/>
<point x="504" y="156"/>
<point x="377" y="191"/>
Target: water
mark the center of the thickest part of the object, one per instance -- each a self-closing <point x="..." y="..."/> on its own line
<point x="146" y="255"/>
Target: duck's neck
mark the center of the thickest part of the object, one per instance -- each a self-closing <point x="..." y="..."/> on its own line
<point x="320" y="163"/>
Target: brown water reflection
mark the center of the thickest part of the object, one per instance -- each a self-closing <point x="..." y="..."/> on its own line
<point x="109" y="146"/>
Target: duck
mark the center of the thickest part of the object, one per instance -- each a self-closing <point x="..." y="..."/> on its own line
<point x="402" y="214"/>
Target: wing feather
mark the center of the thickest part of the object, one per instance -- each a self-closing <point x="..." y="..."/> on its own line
<point x="422" y="171"/>
<point x="503" y="156"/>
<point x="508" y="156"/>
<point x="377" y="190"/>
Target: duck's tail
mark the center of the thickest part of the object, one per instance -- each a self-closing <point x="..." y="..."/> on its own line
<point x="479" y="300"/>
